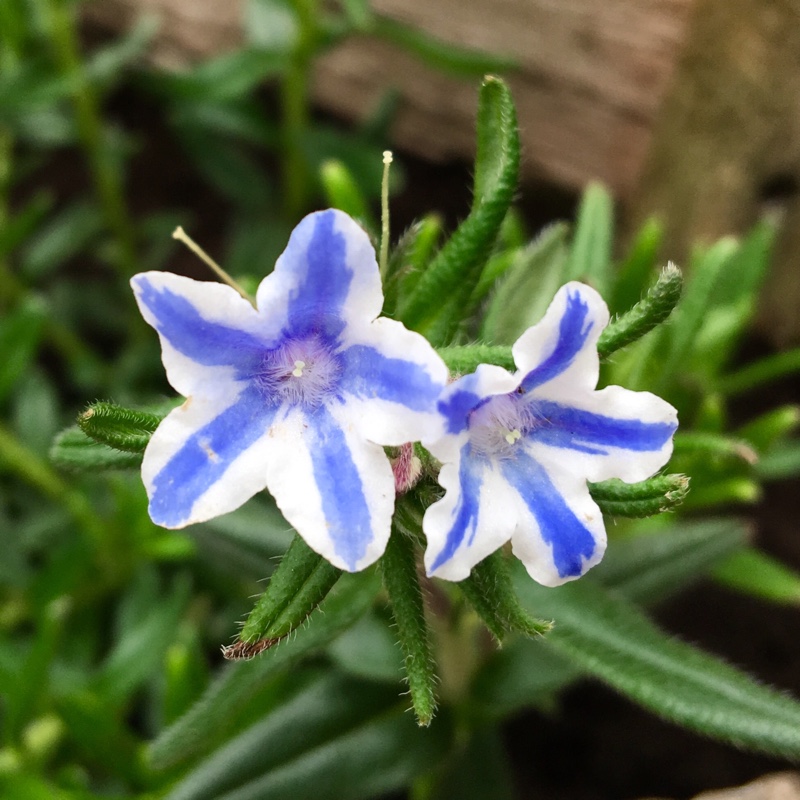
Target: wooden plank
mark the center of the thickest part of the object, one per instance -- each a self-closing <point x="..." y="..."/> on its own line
<point x="591" y="77"/>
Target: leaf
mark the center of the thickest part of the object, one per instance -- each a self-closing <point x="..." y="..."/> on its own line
<point x="229" y="695"/>
<point x="61" y="239"/>
<point x="455" y="268"/>
<point x="698" y="298"/>
<point x="606" y="636"/>
<point x="590" y="254"/>
<point x="20" y="334"/>
<point x="781" y="462"/>
<point x="634" y="273"/>
<point x="299" y="584"/>
<point x="369" y="649"/>
<point x="73" y="449"/>
<point x="521" y="296"/>
<point x="143" y="647"/>
<point x="760" y="372"/>
<point x="657" y="564"/>
<point x="271" y="25"/>
<point x="653" y="309"/>
<point x="442" y="56"/>
<point x="400" y="579"/>
<point x="760" y="575"/>
<point x="338" y="739"/>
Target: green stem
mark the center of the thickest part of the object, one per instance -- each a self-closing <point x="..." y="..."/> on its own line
<point x="107" y="178"/>
<point x="295" y="108"/>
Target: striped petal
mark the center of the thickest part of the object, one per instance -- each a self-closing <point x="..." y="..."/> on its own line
<point x="207" y="457"/>
<point x="613" y="433"/>
<point x="560" y="532"/>
<point x="336" y="489"/>
<point x="325" y="279"/>
<point x="476" y="516"/>
<point x="391" y="381"/>
<point x="560" y="353"/>
<point x="208" y="331"/>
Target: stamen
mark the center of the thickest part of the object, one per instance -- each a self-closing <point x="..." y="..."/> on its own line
<point x="298" y="368"/>
<point x="513" y="436"/>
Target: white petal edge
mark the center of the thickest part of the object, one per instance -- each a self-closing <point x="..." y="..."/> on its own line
<point x="497" y="519"/>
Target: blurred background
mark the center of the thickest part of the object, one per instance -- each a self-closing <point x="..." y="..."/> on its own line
<point x="121" y="119"/>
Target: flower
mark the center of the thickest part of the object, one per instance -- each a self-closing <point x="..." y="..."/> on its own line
<point x="518" y="450"/>
<point x="296" y="395"/>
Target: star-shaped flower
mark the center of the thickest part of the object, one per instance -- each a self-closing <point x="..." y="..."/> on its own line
<point x="519" y="449"/>
<point x="297" y="395"/>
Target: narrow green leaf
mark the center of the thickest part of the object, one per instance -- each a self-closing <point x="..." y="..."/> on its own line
<point x="755" y="573"/>
<point x="521" y="296"/>
<point x="607" y="637"/>
<point x="653" y="496"/>
<point x="645" y="568"/>
<point x="342" y="192"/>
<point x="463" y="359"/>
<point x="455" y="268"/>
<point x="590" y="254"/>
<point x="60" y="239"/>
<point x="714" y="445"/>
<point x="73" y="449"/>
<point x="633" y="274"/>
<point x="326" y="710"/>
<point x="720" y="492"/>
<point x="399" y="570"/>
<point x="768" y="429"/>
<point x="656" y="564"/>
<point x="458" y="61"/>
<point x="142" y="649"/>
<point x="20" y="334"/>
<point x="121" y="428"/>
<point x="229" y="695"/>
<point x="369" y="650"/>
<point x="299" y="584"/>
<point x="25" y="222"/>
<point x="781" y="462"/>
<point x="653" y="309"/>
<point x="490" y="592"/>
<point x="698" y="298"/>
<point x="763" y="371"/>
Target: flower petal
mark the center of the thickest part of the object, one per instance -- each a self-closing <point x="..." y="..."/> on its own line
<point x="561" y="533"/>
<point x="325" y="279"/>
<point x="477" y="515"/>
<point x="392" y="378"/>
<point x="207" y="330"/>
<point x="561" y="350"/>
<point x="613" y="433"/>
<point x="207" y="457"/>
<point x="463" y="396"/>
<point x="334" y="488"/>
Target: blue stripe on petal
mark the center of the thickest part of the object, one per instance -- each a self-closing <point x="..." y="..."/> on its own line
<point x="573" y="331"/>
<point x="205" y="342"/>
<point x="465" y="522"/>
<point x="324" y="276"/>
<point x="206" y="456"/>
<point x="340" y="487"/>
<point x="570" y="540"/>
<point x="576" y="429"/>
<point x="369" y="373"/>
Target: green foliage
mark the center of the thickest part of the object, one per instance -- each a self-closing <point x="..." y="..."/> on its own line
<point x="111" y="682"/>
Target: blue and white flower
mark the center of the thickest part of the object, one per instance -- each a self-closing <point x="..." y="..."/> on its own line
<point x="519" y="449"/>
<point x="297" y="395"/>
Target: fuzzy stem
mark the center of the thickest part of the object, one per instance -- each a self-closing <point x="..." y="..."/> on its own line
<point x="405" y="596"/>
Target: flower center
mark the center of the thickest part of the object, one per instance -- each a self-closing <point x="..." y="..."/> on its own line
<point x="497" y="426"/>
<point x="299" y="372"/>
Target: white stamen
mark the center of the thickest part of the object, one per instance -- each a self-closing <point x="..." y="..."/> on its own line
<point x="513" y="436"/>
<point x="298" y="368"/>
